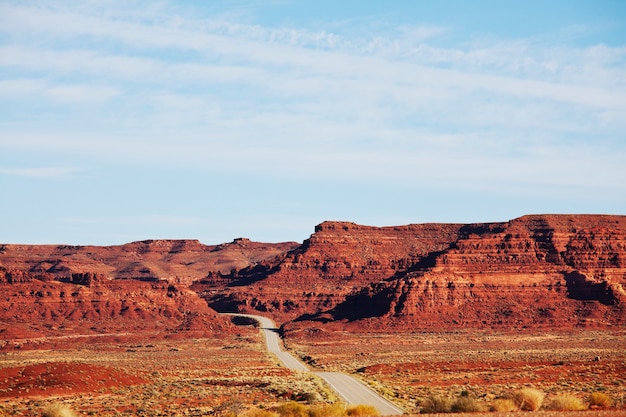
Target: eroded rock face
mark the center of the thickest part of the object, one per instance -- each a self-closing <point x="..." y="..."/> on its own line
<point x="140" y="286"/>
<point x="339" y="258"/>
<point x="546" y="271"/>
<point x="535" y="271"/>
<point x="40" y="308"/>
<point x="178" y="261"/>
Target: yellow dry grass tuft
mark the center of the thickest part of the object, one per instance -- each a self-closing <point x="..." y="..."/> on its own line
<point x="58" y="410"/>
<point x="600" y="400"/>
<point x="436" y="404"/>
<point x="327" y="410"/>
<point x="361" y="411"/>
<point x="529" y="399"/>
<point x="503" y="405"/>
<point x="256" y="412"/>
<point x="566" y="402"/>
<point x="291" y="409"/>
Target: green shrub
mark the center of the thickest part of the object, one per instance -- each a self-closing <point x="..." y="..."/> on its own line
<point x="600" y="400"/>
<point x="436" y="404"/>
<point x="566" y="402"/>
<point x="503" y="405"/>
<point x="362" y="410"/>
<point x="529" y="399"/>
<point x="58" y="410"/>
<point x="467" y="405"/>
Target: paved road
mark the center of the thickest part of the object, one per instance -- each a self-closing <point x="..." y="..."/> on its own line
<point x="350" y="389"/>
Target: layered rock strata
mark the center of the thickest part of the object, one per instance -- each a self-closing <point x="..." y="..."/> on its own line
<point x="548" y="271"/>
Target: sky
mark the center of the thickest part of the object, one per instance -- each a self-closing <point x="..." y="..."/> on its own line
<point x="212" y="120"/>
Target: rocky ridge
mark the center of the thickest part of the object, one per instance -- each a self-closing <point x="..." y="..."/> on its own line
<point x="140" y="286"/>
<point x="554" y="271"/>
<point x="539" y="271"/>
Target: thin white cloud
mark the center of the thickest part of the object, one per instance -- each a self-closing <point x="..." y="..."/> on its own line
<point x="41" y="172"/>
<point x="297" y="100"/>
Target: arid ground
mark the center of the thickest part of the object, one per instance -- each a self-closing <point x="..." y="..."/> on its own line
<point x="410" y="368"/>
<point x="145" y="375"/>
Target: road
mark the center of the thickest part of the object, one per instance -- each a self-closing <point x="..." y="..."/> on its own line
<point x="351" y="390"/>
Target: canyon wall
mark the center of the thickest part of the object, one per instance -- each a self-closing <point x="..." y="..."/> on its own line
<point x="540" y="271"/>
<point x="137" y="287"/>
<point x="553" y="271"/>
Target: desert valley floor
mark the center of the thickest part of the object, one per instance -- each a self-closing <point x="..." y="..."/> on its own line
<point x="147" y="376"/>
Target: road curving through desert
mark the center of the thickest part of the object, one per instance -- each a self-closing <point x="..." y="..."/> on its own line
<point x="351" y="390"/>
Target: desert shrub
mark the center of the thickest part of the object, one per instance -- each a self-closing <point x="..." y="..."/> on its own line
<point x="361" y="410"/>
<point x="566" y="402"/>
<point x="466" y="405"/>
<point x="58" y="410"/>
<point x="600" y="399"/>
<point x="436" y="404"/>
<point x="529" y="399"/>
<point x="291" y="409"/>
<point x="503" y="405"/>
<point x="255" y="412"/>
<point x="327" y="410"/>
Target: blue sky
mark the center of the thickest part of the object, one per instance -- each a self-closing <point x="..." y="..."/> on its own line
<point x="123" y="121"/>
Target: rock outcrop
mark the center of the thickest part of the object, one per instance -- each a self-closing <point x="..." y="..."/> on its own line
<point x="177" y="261"/>
<point x="535" y="271"/>
<point x="555" y="271"/>
<point x="339" y="258"/>
<point x="140" y="286"/>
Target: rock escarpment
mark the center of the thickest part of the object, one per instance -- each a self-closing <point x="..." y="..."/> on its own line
<point x="553" y="270"/>
<point x="140" y="286"/>
<point x="178" y="261"/>
<point x="535" y="271"/>
<point x="340" y="257"/>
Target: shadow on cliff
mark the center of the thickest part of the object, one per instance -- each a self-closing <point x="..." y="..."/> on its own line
<point x="580" y="288"/>
<point x="369" y="302"/>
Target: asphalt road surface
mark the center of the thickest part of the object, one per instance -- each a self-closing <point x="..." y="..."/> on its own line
<point x="351" y="390"/>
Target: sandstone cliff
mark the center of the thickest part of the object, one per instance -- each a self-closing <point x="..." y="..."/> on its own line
<point x="140" y="286"/>
<point x="551" y="271"/>
<point x="535" y="271"/>
<point x="177" y="261"/>
<point x="340" y="257"/>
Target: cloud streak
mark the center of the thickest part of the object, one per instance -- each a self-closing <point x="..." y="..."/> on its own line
<point x="41" y="172"/>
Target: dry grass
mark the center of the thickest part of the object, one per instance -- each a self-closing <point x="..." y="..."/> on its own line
<point x="327" y="410"/>
<point x="467" y="405"/>
<point x="600" y="400"/>
<point x="361" y="411"/>
<point x="529" y="399"/>
<point x="436" y="404"/>
<point x="58" y="410"/>
<point x="295" y="409"/>
<point x="566" y="402"/>
<point x="503" y="405"/>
